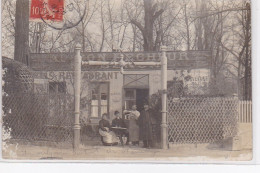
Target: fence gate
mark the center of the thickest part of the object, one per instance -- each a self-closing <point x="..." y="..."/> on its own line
<point x="201" y="120"/>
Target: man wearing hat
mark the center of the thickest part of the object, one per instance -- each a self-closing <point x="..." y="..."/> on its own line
<point x="119" y="122"/>
<point x="145" y="126"/>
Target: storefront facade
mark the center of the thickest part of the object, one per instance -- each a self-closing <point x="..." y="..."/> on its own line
<point x="105" y="89"/>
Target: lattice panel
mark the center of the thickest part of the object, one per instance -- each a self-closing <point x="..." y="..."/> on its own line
<point x="28" y="116"/>
<point x="201" y="120"/>
<point x="35" y="116"/>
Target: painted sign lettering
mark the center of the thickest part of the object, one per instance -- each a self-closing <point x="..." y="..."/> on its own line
<point x="67" y="75"/>
<point x="176" y="60"/>
<point x="100" y="75"/>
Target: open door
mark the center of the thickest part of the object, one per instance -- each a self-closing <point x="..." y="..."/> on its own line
<point x="142" y="95"/>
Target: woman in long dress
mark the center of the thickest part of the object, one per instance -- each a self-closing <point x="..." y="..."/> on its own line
<point x="108" y="137"/>
<point x="133" y="126"/>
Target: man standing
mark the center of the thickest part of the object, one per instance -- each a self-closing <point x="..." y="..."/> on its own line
<point x="145" y="122"/>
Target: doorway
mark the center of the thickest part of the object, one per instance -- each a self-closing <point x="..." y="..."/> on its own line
<point x="142" y="96"/>
<point x="136" y="90"/>
<point x="135" y="96"/>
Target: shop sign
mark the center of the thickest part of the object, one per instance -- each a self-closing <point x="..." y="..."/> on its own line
<point x="176" y="60"/>
<point x="67" y="75"/>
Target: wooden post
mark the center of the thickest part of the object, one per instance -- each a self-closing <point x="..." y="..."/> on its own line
<point x="77" y="81"/>
<point x="164" y="133"/>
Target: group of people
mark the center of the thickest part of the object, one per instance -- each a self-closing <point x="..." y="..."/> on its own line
<point x="139" y="128"/>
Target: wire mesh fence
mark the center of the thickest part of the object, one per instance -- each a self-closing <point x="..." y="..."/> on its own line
<point x="30" y="115"/>
<point x="37" y="117"/>
<point x="202" y="119"/>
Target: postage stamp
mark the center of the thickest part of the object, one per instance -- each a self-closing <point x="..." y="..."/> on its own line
<point x="58" y="14"/>
<point x="47" y="9"/>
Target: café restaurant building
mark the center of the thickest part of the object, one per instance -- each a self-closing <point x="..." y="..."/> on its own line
<point x="104" y="89"/>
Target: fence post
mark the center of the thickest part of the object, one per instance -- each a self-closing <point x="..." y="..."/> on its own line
<point x="77" y="81"/>
<point x="236" y="140"/>
<point x="164" y="135"/>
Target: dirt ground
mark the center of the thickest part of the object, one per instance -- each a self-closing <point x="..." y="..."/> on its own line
<point x="187" y="152"/>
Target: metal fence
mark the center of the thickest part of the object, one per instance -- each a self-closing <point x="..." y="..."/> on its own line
<point x="38" y="117"/>
<point x="29" y="115"/>
<point x="245" y="111"/>
<point x="202" y="119"/>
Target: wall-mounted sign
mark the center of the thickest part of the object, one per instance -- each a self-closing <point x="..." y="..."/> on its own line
<point x="176" y="60"/>
<point x="198" y="82"/>
<point x="67" y="75"/>
<point x="100" y="75"/>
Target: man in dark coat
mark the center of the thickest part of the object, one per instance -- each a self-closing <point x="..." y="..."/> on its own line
<point x="119" y="122"/>
<point x="145" y="125"/>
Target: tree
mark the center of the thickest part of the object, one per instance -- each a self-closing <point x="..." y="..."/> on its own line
<point x="150" y="15"/>
<point x="8" y="27"/>
<point x="247" y="61"/>
<point x="22" y="31"/>
<point x="240" y="49"/>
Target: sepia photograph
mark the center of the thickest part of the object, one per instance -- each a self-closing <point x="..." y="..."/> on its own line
<point x="126" y="80"/>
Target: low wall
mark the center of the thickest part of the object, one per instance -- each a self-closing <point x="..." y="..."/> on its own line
<point x="244" y="137"/>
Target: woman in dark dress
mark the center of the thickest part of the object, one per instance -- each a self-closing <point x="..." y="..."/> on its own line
<point x="108" y="137"/>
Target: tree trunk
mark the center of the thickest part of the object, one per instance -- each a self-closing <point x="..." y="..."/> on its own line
<point x="247" y="93"/>
<point x="148" y="26"/>
<point x="150" y="15"/>
<point x="22" y="31"/>
<point x="187" y="27"/>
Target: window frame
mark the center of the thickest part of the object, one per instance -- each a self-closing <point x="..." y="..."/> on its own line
<point x="133" y="87"/>
<point x="99" y="98"/>
<point x="57" y="87"/>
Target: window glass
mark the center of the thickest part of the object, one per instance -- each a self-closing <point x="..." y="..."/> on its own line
<point x="129" y="103"/>
<point x="104" y="91"/>
<point x="95" y="93"/>
<point x="99" y="102"/>
<point x="57" y="87"/>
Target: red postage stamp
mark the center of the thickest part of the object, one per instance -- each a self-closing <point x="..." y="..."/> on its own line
<point x="47" y="10"/>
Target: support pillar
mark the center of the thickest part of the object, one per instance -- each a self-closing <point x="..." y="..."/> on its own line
<point x="77" y="81"/>
<point x="164" y="132"/>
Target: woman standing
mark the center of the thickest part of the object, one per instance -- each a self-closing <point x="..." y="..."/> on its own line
<point x="133" y="126"/>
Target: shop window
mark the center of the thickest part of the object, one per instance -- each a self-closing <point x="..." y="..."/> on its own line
<point x="130" y="98"/>
<point x="136" y="90"/>
<point x="99" y="99"/>
<point x="57" y="87"/>
<point x="57" y="98"/>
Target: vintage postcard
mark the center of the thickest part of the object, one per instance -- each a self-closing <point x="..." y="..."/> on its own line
<point x="126" y="80"/>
